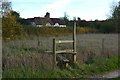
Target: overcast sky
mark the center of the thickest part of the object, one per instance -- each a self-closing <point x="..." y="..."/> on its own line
<point x="85" y="9"/>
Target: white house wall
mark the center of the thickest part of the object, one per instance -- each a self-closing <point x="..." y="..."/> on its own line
<point x="52" y="25"/>
<point x="56" y="24"/>
<point x="48" y="24"/>
<point x="39" y="25"/>
<point x="62" y="25"/>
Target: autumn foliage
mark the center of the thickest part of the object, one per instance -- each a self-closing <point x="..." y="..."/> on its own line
<point x="11" y="28"/>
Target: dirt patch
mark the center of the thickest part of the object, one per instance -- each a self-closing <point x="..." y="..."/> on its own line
<point x="113" y="74"/>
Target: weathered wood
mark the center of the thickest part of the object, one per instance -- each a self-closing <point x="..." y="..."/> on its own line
<point x="67" y="53"/>
<point x="74" y="37"/>
<point x="64" y="41"/>
<point x="54" y="53"/>
<point x="74" y="58"/>
<point x="64" y="51"/>
<point x="74" y="43"/>
<point x="73" y="51"/>
<point x="61" y="52"/>
<point x="63" y="59"/>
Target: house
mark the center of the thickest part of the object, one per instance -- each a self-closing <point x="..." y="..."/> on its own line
<point x="47" y="21"/>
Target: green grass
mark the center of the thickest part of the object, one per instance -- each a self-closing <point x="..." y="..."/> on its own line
<point x="118" y="78"/>
<point x="76" y="70"/>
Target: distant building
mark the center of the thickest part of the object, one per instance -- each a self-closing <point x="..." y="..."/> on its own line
<point x="47" y="21"/>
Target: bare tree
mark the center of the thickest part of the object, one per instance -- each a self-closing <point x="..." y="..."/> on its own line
<point x="5" y="7"/>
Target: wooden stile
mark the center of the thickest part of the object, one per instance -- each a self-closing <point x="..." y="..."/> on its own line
<point x="73" y="51"/>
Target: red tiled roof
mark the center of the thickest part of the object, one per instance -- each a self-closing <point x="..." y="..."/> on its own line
<point x="31" y="19"/>
<point x="43" y="21"/>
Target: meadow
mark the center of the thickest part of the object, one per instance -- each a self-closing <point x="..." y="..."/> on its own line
<point x="27" y="58"/>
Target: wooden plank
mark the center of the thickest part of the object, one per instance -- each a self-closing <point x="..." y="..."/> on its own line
<point x="64" y="41"/>
<point x="61" y="58"/>
<point x="61" y="52"/>
<point x="64" y="51"/>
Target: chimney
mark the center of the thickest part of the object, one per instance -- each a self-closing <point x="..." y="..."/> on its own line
<point x="47" y="15"/>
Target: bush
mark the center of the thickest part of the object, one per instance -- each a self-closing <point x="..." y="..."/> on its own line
<point x="46" y="31"/>
<point x="86" y="30"/>
<point x="11" y="29"/>
<point x="55" y="31"/>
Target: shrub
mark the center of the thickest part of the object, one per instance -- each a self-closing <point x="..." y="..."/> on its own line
<point x="86" y="30"/>
<point x="46" y="31"/>
<point x="11" y="29"/>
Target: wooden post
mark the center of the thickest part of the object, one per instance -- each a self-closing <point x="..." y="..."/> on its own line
<point x="54" y="53"/>
<point x="74" y="42"/>
<point x="66" y="64"/>
<point x="38" y="43"/>
<point x="103" y="46"/>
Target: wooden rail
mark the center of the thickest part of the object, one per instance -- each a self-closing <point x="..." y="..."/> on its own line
<point x="64" y="41"/>
<point x="62" y="52"/>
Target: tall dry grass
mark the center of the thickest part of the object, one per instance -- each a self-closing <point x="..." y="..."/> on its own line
<point x="20" y="53"/>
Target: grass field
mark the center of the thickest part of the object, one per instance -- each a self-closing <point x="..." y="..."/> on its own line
<point x="27" y="57"/>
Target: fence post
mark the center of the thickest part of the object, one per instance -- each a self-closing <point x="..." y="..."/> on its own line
<point x="54" y="53"/>
<point x="38" y="43"/>
<point x="103" y="46"/>
<point x="74" y="42"/>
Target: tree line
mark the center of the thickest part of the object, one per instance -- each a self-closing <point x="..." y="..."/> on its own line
<point x="13" y="25"/>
